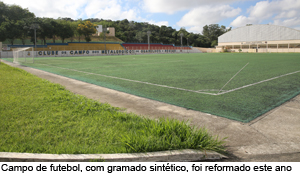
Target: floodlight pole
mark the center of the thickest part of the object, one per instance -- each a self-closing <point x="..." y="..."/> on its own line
<point x="148" y="34"/>
<point x="187" y="41"/>
<point x="181" y="34"/>
<point x="34" y="26"/>
<point x="35" y="38"/>
<point x="104" y="35"/>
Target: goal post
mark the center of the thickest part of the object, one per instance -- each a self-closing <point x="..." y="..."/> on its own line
<point x="23" y="55"/>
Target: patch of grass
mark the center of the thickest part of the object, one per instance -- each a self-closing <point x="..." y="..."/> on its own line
<point x="41" y="117"/>
<point x="168" y="134"/>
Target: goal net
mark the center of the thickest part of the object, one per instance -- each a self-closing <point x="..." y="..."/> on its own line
<point x="23" y="55"/>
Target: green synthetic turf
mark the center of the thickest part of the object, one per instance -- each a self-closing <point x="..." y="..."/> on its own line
<point x="176" y="79"/>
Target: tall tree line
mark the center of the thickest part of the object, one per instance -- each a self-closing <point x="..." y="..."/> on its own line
<point x="17" y="23"/>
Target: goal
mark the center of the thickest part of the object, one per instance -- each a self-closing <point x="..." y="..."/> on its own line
<point x="23" y="55"/>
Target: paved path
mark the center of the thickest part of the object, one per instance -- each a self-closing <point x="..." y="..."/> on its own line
<point x="275" y="136"/>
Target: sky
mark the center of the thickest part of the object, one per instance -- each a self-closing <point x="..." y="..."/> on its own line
<point x="190" y="14"/>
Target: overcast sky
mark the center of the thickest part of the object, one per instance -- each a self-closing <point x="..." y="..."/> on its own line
<point x="191" y="14"/>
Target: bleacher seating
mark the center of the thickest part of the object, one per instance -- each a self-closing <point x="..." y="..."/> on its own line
<point x="144" y="46"/>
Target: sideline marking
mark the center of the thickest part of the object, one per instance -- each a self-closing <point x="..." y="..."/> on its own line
<point x="182" y="89"/>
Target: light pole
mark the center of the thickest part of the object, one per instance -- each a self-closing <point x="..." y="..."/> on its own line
<point x="148" y="34"/>
<point x="34" y="26"/>
<point x="104" y="35"/>
<point x="187" y="41"/>
<point x="181" y="34"/>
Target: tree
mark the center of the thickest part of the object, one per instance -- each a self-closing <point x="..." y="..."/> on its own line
<point x="214" y="43"/>
<point x="3" y="12"/>
<point x="87" y="29"/>
<point x="163" y="34"/>
<point x="74" y="28"/>
<point x="2" y="33"/>
<point x="78" y="31"/>
<point x="14" y="25"/>
<point x="212" y="32"/>
<point x="24" y="29"/>
<point x="175" y="36"/>
<point x="65" y="30"/>
<point x="46" y="29"/>
<point x="140" y="36"/>
<point x="12" y="22"/>
<point x="16" y="13"/>
<point x="53" y="29"/>
<point x="185" y="34"/>
<point x="11" y="29"/>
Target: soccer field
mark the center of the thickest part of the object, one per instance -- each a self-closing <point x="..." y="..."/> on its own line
<point x="238" y="86"/>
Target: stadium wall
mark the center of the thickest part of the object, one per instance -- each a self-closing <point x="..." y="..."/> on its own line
<point x="72" y="53"/>
<point x="205" y="50"/>
<point x="98" y="49"/>
<point x="103" y="46"/>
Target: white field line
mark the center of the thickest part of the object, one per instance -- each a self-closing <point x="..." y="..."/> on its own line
<point x="164" y="86"/>
<point x="182" y="89"/>
<point x="210" y="90"/>
<point x="233" y="77"/>
<point x="258" y="82"/>
<point x="132" y="64"/>
<point x="64" y="62"/>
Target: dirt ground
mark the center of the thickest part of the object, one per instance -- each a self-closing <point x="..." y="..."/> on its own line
<point x="273" y="137"/>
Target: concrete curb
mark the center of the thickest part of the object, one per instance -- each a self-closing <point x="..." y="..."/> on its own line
<point x="186" y="155"/>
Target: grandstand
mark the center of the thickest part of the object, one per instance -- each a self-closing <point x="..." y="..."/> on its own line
<point x="144" y="46"/>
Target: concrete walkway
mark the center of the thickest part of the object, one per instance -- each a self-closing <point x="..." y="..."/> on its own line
<point x="274" y="136"/>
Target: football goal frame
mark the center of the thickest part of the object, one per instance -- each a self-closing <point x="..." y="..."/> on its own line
<point x="23" y="55"/>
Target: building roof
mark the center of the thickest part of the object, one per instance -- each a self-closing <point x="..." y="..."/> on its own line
<point x="254" y="33"/>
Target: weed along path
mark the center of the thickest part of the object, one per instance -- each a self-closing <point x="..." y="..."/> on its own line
<point x="273" y="136"/>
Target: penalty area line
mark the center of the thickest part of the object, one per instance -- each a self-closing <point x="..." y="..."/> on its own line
<point x="136" y="81"/>
<point x="182" y="89"/>
<point x="235" y="89"/>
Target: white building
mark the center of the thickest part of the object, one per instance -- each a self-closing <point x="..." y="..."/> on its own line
<point x="260" y="38"/>
<point x="100" y="30"/>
